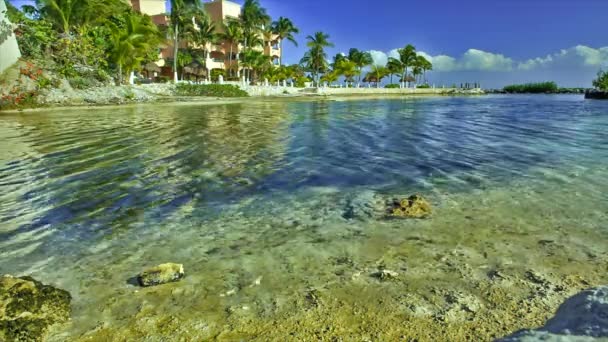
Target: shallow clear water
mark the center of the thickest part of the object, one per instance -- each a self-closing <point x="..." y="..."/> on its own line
<point x="266" y="189"/>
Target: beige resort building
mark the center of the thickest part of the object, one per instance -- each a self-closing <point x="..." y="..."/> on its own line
<point x="219" y="54"/>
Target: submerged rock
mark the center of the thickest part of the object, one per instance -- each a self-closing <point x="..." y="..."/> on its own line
<point x="582" y="317"/>
<point x="161" y="274"/>
<point x="414" y="206"/>
<point x="28" y="308"/>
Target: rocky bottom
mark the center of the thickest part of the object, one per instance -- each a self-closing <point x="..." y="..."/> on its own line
<point x="322" y="266"/>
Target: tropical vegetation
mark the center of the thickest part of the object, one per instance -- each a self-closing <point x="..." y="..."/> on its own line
<point x="532" y="88"/>
<point x="94" y="42"/>
<point x="601" y="82"/>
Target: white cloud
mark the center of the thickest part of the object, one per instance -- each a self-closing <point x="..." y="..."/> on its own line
<point x="578" y="56"/>
<point x="479" y="60"/>
<point x="380" y="58"/>
<point x="475" y="59"/>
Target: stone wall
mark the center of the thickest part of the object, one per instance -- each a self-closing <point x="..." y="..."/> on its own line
<point x="8" y="42"/>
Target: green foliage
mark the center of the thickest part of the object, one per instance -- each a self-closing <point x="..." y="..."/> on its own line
<point x="132" y="42"/>
<point x="34" y="36"/>
<point x="214" y="90"/>
<point x="391" y="86"/>
<point x="256" y="62"/>
<point x="163" y="79"/>
<point x="315" y="59"/>
<point x="423" y="86"/>
<point x="301" y="81"/>
<point x="532" y="88"/>
<point x="601" y="82"/>
<point x="215" y="74"/>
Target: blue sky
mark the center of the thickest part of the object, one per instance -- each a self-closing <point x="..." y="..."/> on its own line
<point x="491" y="41"/>
<point x="494" y="42"/>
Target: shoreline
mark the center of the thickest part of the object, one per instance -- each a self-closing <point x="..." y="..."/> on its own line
<point x="161" y="94"/>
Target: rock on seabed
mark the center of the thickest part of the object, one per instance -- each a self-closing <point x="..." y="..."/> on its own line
<point x="161" y="274"/>
<point x="414" y="206"/>
<point x="28" y="308"/>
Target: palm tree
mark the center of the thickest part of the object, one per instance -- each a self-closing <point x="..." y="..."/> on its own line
<point x="284" y="29"/>
<point x="233" y="34"/>
<point x="348" y="69"/>
<point x="65" y="15"/>
<point x="417" y="72"/>
<point x="181" y="15"/>
<point x="131" y="43"/>
<point x="337" y="59"/>
<point x="394" y="67"/>
<point x="330" y="77"/>
<point x="407" y="57"/>
<point x="361" y="59"/>
<point x="425" y="65"/>
<point x="254" y="18"/>
<point x="378" y="72"/>
<point x="202" y="33"/>
<point x="316" y="58"/>
<point x="256" y="62"/>
<point x="254" y="39"/>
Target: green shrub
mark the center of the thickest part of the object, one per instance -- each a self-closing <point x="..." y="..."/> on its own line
<point x="601" y="82"/>
<point x="391" y="86"/>
<point x="129" y="94"/>
<point x="423" y="86"/>
<point x="215" y="74"/>
<point x="301" y="81"/>
<point x="532" y="88"/>
<point x="163" y="79"/>
<point x="214" y="90"/>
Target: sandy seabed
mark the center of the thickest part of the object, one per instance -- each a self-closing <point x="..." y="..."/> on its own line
<point x="489" y="262"/>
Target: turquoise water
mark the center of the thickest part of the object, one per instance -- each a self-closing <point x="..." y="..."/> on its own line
<point x="267" y="205"/>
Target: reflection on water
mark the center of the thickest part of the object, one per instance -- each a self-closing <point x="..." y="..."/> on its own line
<point x="238" y="190"/>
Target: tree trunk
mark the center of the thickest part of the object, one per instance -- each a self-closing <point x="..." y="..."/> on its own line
<point x="230" y="60"/>
<point x="175" y="47"/>
<point x="281" y="53"/>
<point x="119" y="74"/>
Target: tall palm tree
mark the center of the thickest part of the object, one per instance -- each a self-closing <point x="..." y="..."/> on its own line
<point x="284" y="29"/>
<point x="425" y="65"/>
<point x="132" y="43"/>
<point x="256" y="62"/>
<point x="394" y="67"/>
<point x="232" y="34"/>
<point x="407" y="57"/>
<point x="202" y="33"/>
<point x="181" y="15"/>
<point x="316" y="58"/>
<point x="254" y="18"/>
<point x="254" y="39"/>
<point x="361" y="59"/>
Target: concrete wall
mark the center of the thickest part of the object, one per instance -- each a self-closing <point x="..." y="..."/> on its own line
<point x="9" y="51"/>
